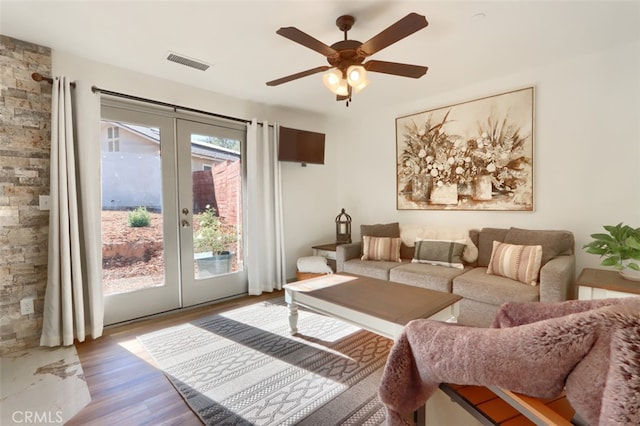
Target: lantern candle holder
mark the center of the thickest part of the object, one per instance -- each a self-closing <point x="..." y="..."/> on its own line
<point x="343" y="228"/>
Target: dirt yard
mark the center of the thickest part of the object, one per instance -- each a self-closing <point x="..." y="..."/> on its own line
<point x="132" y="257"/>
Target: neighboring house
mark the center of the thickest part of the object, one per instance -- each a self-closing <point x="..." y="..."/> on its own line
<point x="131" y="170"/>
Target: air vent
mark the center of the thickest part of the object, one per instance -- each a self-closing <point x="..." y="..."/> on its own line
<point x="183" y="60"/>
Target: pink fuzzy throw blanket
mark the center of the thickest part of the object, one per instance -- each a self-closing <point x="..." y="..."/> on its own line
<point x="589" y="349"/>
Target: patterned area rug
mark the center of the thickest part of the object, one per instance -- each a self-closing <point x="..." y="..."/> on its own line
<point x="242" y="367"/>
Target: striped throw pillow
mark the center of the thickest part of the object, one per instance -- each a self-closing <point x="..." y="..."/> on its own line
<point x="520" y="263"/>
<point x="381" y="248"/>
<point x="439" y="252"/>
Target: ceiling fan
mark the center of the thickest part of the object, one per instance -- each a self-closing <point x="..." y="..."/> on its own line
<point x="346" y="72"/>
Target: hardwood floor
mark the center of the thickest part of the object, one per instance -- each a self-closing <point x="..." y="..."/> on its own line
<point x="125" y="386"/>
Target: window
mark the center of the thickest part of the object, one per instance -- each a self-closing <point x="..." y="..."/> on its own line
<point x="113" y="139"/>
<point x="206" y="167"/>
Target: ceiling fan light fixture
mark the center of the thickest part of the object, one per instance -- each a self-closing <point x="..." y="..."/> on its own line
<point x="357" y="77"/>
<point x="346" y="74"/>
<point x="343" y="88"/>
<point x="332" y="80"/>
<point x="356" y="74"/>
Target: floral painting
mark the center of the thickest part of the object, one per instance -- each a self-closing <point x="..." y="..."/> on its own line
<point x="476" y="155"/>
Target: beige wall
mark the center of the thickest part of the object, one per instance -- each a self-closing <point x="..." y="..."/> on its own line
<point x="586" y="150"/>
<point x="25" y="107"/>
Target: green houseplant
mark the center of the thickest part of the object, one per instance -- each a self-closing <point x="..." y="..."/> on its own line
<point x="619" y="248"/>
<point x="212" y="242"/>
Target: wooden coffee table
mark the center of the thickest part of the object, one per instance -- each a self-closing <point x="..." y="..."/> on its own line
<point x="382" y="307"/>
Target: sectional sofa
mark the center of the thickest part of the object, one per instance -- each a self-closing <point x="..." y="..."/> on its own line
<point x="487" y="267"/>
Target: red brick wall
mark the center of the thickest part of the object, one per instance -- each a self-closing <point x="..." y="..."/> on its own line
<point x="221" y="189"/>
<point x="227" y="180"/>
<point x="204" y="193"/>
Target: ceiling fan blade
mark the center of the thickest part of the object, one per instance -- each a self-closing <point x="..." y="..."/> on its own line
<point x="294" y="34"/>
<point x="401" y="29"/>
<point x="298" y="75"/>
<point x="395" y="68"/>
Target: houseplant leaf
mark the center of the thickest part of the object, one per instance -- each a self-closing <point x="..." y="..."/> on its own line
<point x="621" y="244"/>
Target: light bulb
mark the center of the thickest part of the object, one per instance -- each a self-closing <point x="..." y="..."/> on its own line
<point x="356" y="74"/>
<point x="342" y="89"/>
<point x="332" y="79"/>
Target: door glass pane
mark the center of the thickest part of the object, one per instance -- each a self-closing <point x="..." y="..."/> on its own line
<point x="132" y="233"/>
<point x="216" y="180"/>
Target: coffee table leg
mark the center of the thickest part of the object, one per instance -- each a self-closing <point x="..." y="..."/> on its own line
<point x="293" y="317"/>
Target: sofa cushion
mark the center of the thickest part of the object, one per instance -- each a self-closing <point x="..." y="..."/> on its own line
<point x="424" y="275"/>
<point x="368" y="268"/>
<point x="381" y="248"/>
<point x="406" y="252"/>
<point x="439" y="252"/>
<point x="477" y="285"/>
<point x="553" y="242"/>
<point x="520" y="263"/>
<point x="486" y="237"/>
<point x="391" y="230"/>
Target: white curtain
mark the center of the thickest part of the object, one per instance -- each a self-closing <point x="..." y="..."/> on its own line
<point x="265" y="235"/>
<point x="73" y="298"/>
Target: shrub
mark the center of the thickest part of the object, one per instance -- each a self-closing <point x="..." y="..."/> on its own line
<point x="139" y="218"/>
<point x="212" y="234"/>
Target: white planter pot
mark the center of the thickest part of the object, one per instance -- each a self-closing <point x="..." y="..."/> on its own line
<point x="630" y="274"/>
<point x="210" y="264"/>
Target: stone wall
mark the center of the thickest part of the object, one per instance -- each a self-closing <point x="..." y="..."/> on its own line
<point x="25" y="108"/>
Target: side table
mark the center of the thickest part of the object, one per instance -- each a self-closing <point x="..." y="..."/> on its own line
<point x="328" y="251"/>
<point x="604" y="284"/>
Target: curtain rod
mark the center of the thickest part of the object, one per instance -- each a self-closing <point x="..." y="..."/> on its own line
<point x="39" y="77"/>
<point x="95" y="89"/>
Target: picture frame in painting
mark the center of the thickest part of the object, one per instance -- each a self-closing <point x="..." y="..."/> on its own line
<point x="473" y="155"/>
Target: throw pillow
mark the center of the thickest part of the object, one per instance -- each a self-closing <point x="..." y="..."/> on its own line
<point x="520" y="263"/>
<point x="439" y="252"/>
<point x="411" y="233"/>
<point x="381" y="248"/>
<point x="390" y="230"/>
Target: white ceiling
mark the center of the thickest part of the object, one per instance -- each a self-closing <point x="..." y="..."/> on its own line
<point x="465" y="42"/>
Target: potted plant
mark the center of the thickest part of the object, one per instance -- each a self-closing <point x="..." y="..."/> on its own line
<point x="212" y="242"/>
<point x="620" y="249"/>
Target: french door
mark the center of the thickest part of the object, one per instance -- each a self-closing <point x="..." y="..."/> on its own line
<point x="172" y="210"/>
<point x="211" y="211"/>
